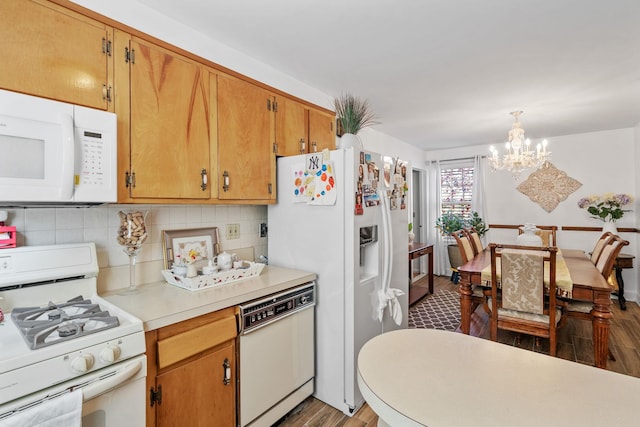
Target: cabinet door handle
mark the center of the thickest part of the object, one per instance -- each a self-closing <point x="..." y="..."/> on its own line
<point x="314" y="146"/>
<point x="225" y="181"/>
<point x="303" y="146"/>
<point x="203" y="176"/>
<point x="226" y="369"/>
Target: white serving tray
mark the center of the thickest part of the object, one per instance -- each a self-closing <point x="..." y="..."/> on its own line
<point x="205" y="281"/>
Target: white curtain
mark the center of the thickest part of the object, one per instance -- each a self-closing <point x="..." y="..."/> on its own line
<point x="441" y="265"/>
<point x="478" y="200"/>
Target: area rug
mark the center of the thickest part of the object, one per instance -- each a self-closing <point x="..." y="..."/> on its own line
<point x="438" y="311"/>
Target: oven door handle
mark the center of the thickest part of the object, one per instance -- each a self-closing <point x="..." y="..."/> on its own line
<point x="101" y="386"/>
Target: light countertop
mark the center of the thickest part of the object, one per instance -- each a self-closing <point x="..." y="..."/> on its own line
<point x="417" y="377"/>
<point x="161" y="304"/>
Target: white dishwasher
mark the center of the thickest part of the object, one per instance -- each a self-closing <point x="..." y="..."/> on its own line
<point x="277" y="355"/>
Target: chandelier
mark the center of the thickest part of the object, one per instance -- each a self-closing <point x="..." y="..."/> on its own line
<point x="519" y="155"/>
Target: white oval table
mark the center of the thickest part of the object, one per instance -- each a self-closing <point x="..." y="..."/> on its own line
<point x="426" y="377"/>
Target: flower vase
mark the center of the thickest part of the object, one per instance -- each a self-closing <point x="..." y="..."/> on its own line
<point x="349" y="140"/>
<point x="609" y="226"/>
<point x="412" y="237"/>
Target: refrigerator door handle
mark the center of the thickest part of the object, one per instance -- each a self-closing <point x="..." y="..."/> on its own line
<point x="386" y="241"/>
<point x="388" y="296"/>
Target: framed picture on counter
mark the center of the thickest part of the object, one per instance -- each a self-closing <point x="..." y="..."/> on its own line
<point x="191" y="245"/>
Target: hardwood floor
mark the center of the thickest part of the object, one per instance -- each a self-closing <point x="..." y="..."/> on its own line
<point x="574" y="343"/>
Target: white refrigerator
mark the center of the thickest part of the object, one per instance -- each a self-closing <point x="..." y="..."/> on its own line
<point x="343" y="215"/>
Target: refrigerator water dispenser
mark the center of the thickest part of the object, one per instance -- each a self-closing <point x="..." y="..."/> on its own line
<point x="368" y="250"/>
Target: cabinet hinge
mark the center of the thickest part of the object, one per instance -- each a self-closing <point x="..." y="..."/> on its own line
<point x="270" y="188"/>
<point x="130" y="179"/>
<point x="155" y="396"/>
<point x="129" y="55"/>
<point x="106" y="93"/>
<point x="106" y="46"/>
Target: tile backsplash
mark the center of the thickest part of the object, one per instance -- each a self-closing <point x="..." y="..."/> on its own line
<point x="99" y="224"/>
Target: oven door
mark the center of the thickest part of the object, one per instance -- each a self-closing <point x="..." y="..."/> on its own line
<point x="112" y="397"/>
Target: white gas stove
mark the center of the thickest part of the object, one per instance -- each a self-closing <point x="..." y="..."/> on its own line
<point x="58" y="335"/>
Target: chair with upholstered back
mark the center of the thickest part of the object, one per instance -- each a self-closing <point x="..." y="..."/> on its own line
<point x="519" y="272"/>
<point x="607" y="258"/>
<point x="609" y="251"/>
<point x="608" y="255"/>
<point x="605" y="239"/>
<point x="546" y="232"/>
<point x="465" y="246"/>
<point x="476" y="242"/>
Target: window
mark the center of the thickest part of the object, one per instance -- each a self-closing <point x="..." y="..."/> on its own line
<point x="456" y="188"/>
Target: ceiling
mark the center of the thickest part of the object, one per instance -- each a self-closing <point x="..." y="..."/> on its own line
<point x="447" y="73"/>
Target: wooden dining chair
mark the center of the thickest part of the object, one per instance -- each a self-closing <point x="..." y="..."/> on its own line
<point x="476" y="242"/>
<point x="612" y="246"/>
<point x="480" y="295"/>
<point x="546" y="232"/>
<point x="523" y="306"/>
<point x="464" y="246"/>
<point x="600" y="244"/>
<point x="609" y="251"/>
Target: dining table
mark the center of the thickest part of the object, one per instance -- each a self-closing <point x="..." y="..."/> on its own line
<point x="588" y="286"/>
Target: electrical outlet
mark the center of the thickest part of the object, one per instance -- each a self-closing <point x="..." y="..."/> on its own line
<point x="263" y="229"/>
<point x="233" y="231"/>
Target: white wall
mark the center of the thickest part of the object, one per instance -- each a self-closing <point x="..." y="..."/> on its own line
<point x="602" y="161"/>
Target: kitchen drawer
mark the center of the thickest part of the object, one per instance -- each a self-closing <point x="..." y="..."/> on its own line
<point x="189" y="343"/>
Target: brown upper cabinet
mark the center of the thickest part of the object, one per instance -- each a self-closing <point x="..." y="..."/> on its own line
<point x="322" y="131"/>
<point x="167" y="105"/>
<point x="189" y="130"/>
<point x="55" y="53"/>
<point x="246" y="162"/>
<point x="301" y="129"/>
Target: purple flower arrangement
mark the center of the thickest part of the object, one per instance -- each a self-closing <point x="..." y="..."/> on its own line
<point x="608" y="207"/>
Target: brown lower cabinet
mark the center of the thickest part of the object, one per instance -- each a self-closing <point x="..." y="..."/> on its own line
<point x="191" y="373"/>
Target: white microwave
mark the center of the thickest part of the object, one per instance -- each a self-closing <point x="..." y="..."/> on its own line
<point x="55" y="153"/>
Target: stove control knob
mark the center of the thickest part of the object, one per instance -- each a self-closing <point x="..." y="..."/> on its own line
<point x="83" y="363"/>
<point x="110" y="354"/>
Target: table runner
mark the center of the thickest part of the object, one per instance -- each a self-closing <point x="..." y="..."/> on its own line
<point x="564" y="284"/>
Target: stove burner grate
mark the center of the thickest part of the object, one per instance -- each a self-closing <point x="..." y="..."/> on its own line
<point x="54" y="323"/>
